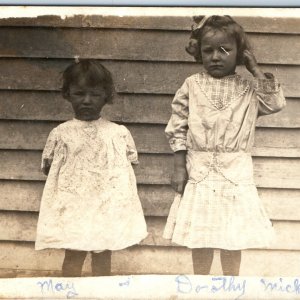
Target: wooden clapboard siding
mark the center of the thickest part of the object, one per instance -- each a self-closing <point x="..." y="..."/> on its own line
<point x="147" y="59"/>
<point x="155" y="169"/>
<point x="21" y="226"/>
<point x="32" y="105"/>
<point x="250" y="24"/>
<point x="143" y="260"/>
<point x="281" y="204"/>
<point x="128" y="45"/>
<point x="130" y="76"/>
<point x="288" y="117"/>
<point x="149" y="138"/>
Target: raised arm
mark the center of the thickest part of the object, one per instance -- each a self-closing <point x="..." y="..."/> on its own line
<point x="270" y="95"/>
<point x="268" y="90"/>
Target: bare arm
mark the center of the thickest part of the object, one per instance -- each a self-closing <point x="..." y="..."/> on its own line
<point x="180" y="175"/>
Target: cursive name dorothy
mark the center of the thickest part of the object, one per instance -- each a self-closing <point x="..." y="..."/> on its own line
<point x="228" y="284"/>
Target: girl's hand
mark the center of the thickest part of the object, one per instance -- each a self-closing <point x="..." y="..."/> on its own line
<point x="179" y="179"/>
<point x="180" y="176"/>
<point x="251" y="64"/>
<point x="46" y="166"/>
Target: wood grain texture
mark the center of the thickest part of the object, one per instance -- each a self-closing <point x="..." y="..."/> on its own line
<point x="28" y="135"/>
<point x="280" y="204"/>
<point x="150" y="45"/>
<point x="21" y="226"/>
<point x="155" y="169"/>
<point x="129" y="108"/>
<point x="250" y="24"/>
<point x="130" y="77"/>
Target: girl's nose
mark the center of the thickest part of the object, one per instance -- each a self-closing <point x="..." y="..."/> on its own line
<point x="87" y="98"/>
<point x="215" y="56"/>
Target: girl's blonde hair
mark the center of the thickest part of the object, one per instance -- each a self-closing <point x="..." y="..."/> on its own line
<point x="214" y="23"/>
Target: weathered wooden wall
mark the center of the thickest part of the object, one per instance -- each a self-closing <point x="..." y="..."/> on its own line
<point x="147" y="58"/>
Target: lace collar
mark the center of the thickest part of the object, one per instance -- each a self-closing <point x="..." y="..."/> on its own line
<point x="222" y="92"/>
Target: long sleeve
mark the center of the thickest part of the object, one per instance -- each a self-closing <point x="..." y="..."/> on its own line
<point x="270" y="95"/>
<point x="176" y="130"/>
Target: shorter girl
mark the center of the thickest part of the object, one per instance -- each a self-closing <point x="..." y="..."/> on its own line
<point x="211" y="131"/>
<point x="90" y="200"/>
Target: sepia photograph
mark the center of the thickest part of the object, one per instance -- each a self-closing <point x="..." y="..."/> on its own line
<point x="139" y="141"/>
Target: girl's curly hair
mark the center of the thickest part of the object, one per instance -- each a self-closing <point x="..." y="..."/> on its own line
<point x="94" y="74"/>
<point x="213" y="23"/>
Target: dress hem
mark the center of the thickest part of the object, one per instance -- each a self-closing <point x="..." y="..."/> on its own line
<point x="264" y="245"/>
<point x="70" y="247"/>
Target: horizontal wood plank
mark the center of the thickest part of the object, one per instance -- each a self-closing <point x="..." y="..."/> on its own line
<point x="286" y="118"/>
<point x="250" y="24"/>
<point x="129" y="108"/>
<point x="29" y="135"/>
<point x="129" y="77"/>
<point x="144" y="260"/>
<point x="280" y="204"/>
<point x="155" y="169"/>
<point x="130" y="45"/>
<point x="21" y="226"/>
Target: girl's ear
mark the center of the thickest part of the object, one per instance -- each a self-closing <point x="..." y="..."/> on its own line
<point x="109" y="99"/>
<point x="66" y="95"/>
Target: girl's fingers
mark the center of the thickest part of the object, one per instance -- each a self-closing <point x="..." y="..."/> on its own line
<point x="181" y="186"/>
<point x="247" y="52"/>
<point x="249" y="55"/>
<point x="178" y="186"/>
<point x="46" y="170"/>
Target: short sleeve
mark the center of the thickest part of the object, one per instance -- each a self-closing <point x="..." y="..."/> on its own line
<point x="176" y="130"/>
<point x="48" y="153"/>
<point x="270" y="95"/>
<point x="131" y="151"/>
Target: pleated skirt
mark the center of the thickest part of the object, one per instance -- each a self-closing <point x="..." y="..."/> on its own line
<point x="216" y="213"/>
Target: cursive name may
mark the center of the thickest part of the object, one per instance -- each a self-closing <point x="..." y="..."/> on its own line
<point x="48" y="286"/>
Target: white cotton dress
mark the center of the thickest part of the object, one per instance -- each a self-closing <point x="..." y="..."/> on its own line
<point x="214" y="120"/>
<point x="90" y="199"/>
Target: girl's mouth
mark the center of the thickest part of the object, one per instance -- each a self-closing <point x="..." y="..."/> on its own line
<point x="86" y="109"/>
<point x="216" y="67"/>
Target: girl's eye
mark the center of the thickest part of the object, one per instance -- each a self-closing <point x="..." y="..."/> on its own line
<point x="78" y="94"/>
<point x="207" y="50"/>
<point x="96" y="94"/>
<point x="224" y="50"/>
<point x="84" y="93"/>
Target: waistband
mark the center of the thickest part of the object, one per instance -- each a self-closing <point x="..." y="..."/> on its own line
<point x="237" y="167"/>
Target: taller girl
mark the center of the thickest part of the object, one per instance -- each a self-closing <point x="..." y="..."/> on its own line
<point x="211" y="131"/>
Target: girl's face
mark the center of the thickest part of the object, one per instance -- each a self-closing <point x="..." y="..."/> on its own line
<point x="87" y="101"/>
<point x="219" y="53"/>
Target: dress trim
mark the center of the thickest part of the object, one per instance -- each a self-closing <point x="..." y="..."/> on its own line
<point x="222" y="92"/>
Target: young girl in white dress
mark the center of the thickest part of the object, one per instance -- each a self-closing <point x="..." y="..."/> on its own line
<point x="90" y="200"/>
<point x="211" y="131"/>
